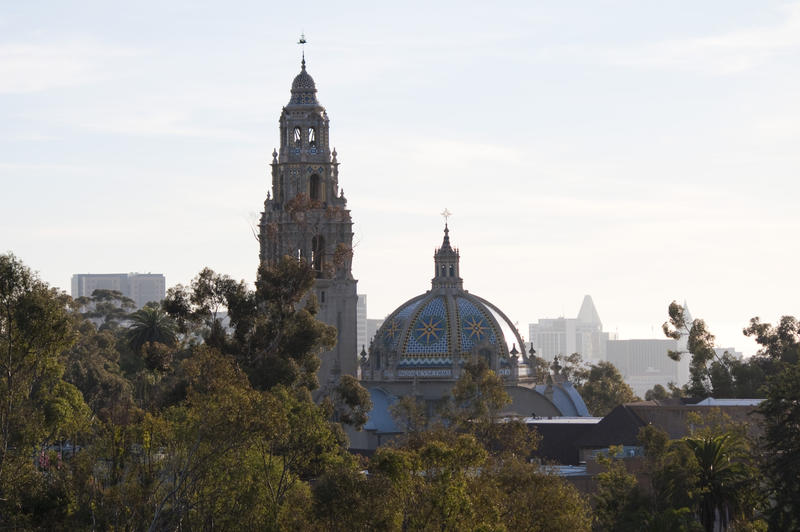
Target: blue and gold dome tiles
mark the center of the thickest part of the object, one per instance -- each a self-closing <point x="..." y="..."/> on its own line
<point x="433" y="329"/>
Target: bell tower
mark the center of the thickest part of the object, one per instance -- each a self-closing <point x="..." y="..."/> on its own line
<point x="306" y="217"/>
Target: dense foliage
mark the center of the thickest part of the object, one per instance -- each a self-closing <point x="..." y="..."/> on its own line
<point x="166" y="418"/>
<point x="601" y="385"/>
<point x="169" y="418"/>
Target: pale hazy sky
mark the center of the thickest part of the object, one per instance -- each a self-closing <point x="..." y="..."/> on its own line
<point x="637" y="151"/>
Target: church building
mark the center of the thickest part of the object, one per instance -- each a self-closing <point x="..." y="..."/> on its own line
<point x="422" y="346"/>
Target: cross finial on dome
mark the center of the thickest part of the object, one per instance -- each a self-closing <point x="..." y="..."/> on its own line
<point x="446" y="214"/>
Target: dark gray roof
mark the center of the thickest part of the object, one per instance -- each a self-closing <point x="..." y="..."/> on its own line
<point x="620" y="427"/>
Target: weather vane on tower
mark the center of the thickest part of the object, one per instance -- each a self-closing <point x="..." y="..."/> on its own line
<point x="302" y="43"/>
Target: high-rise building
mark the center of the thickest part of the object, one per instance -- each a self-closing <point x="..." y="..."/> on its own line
<point x="146" y="287"/>
<point x="361" y="323"/>
<point x="644" y="363"/>
<point x="372" y="328"/>
<point x="142" y="288"/>
<point x="306" y="216"/>
<point x="564" y="336"/>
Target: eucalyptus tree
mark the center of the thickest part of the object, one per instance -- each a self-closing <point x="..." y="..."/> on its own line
<point x="604" y="389"/>
<point x="780" y="348"/>
<point x="37" y="407"/>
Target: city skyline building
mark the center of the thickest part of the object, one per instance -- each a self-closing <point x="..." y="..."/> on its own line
<point x="142" y="288"/>
<point x="645" y="362"/>
<point x="362" y="334"/>
<point x="642" y="362"/>
<point x="372" y="329"/>
<point x="564" y="336"/>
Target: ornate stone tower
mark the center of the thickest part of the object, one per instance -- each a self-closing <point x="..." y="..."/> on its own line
<point x="306" y="217"/>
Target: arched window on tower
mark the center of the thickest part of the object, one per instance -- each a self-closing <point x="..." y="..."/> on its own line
<point x="318" y="253"/>
<point x="444" y="270"/>
<point x="315" y="188"/>
<point x="452" y="271"/>
<point x="312" y="137"/>
<point x="298" y="136"/>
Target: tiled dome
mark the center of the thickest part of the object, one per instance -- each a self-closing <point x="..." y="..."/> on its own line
<point x="303" y="88"/>
<point x="433" y="334"/>
<point x="422" y="349"/>
<point x="444" y="325"/>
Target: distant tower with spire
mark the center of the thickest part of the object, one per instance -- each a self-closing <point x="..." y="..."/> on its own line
<point x="564" y="336"/>
<point x="306" y="217"/>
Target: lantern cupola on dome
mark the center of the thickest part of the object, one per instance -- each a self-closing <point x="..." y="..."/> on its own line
<point x="446" y="273"/>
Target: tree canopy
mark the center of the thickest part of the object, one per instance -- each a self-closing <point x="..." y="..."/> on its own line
<point x="172" y="418"/>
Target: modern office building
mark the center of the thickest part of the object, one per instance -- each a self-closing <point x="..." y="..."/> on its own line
<point x="362" y="335"/>
<point x="372" y="328"/>
<point x="142" y="288"/>
<point x="146" y="287"/>
<point x="644" y="363"/>
<point x="564" y="336"/>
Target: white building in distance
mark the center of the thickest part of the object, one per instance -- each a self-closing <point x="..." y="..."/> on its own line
<point x="564" y="336"/>
<point x="142" y="288"/>
<point x="372" y="328"/>
<point x="362" y="335"/>
<point x="644" y="363"/>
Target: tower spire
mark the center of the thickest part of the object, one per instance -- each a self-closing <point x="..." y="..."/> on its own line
<point x="302" y="42"/>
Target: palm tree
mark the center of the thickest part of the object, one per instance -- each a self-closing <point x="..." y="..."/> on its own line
<point x="150" y="324"/>
<point x="722" y="479"/>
